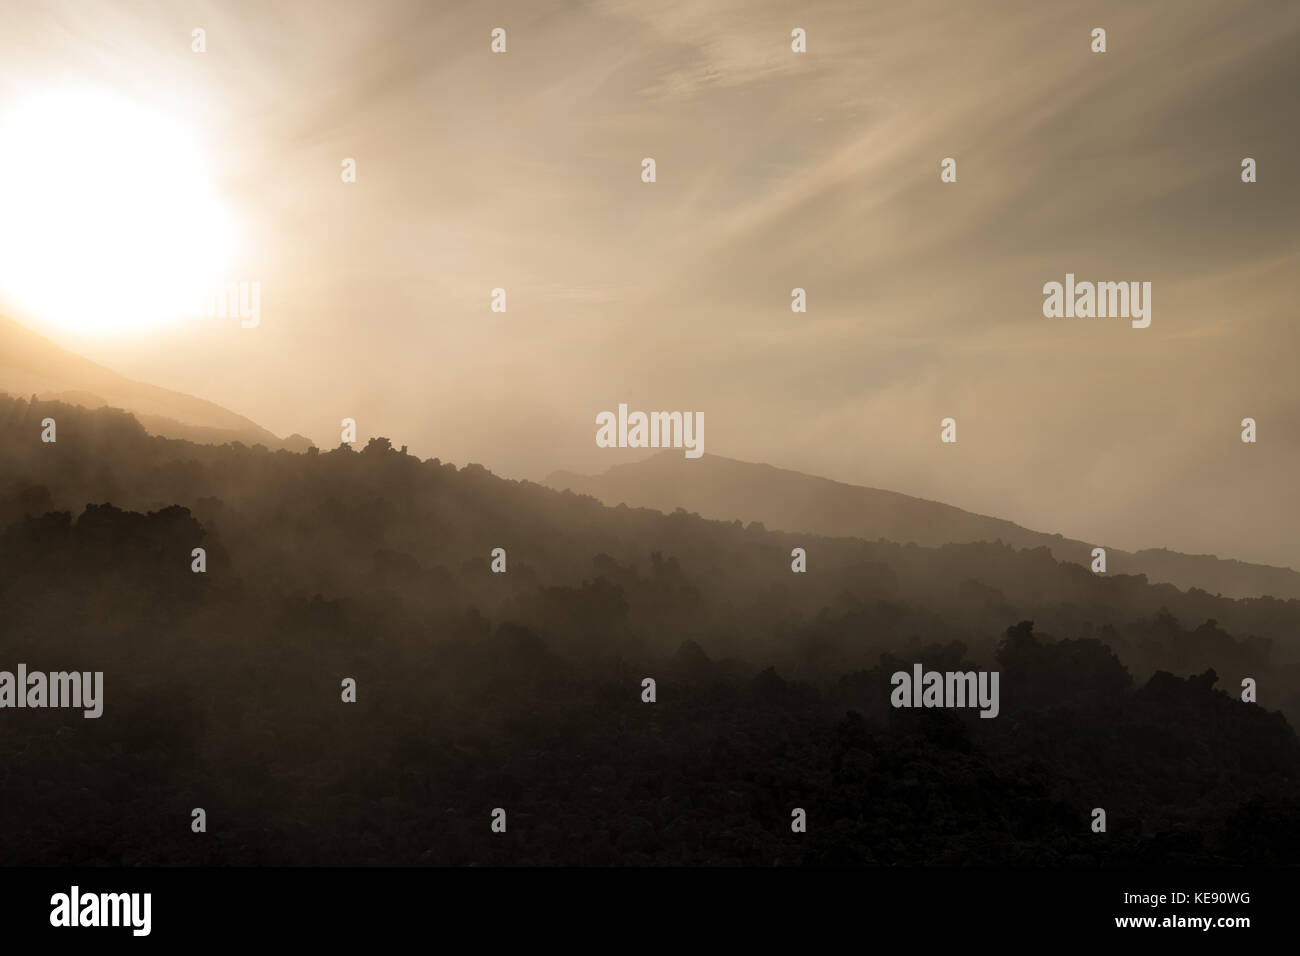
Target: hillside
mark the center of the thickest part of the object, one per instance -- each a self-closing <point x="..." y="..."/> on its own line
<point x="724" y="488"/>
<point x="32" y="365"/>
<point x="523" y="689"/>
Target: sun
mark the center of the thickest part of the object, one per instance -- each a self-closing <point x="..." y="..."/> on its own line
<point x="109" y="218"/>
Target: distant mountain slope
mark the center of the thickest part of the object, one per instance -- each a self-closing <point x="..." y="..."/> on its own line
<point x="32" y="365"/>
<point x="780" y="499"/>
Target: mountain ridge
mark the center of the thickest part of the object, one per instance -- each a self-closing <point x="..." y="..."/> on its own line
<point x="32" y="365"/>
<point x="787" y="500"/>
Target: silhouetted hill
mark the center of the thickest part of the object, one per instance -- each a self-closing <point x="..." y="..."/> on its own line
<point x="525" y="689"/>
<point x="727" y="489"/>
<point x="32" y="365"/>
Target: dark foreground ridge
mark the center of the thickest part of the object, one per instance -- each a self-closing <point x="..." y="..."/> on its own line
<point x="523" y="691"/>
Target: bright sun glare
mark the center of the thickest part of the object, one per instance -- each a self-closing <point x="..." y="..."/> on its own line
<point x="109" y="220"/>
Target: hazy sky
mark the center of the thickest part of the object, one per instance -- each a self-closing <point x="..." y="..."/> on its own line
<point x="775" y="170"/>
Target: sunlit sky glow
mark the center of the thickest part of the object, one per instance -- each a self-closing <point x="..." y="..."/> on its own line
<point x="776" y="170"/>
<point x="111" y="222"/>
